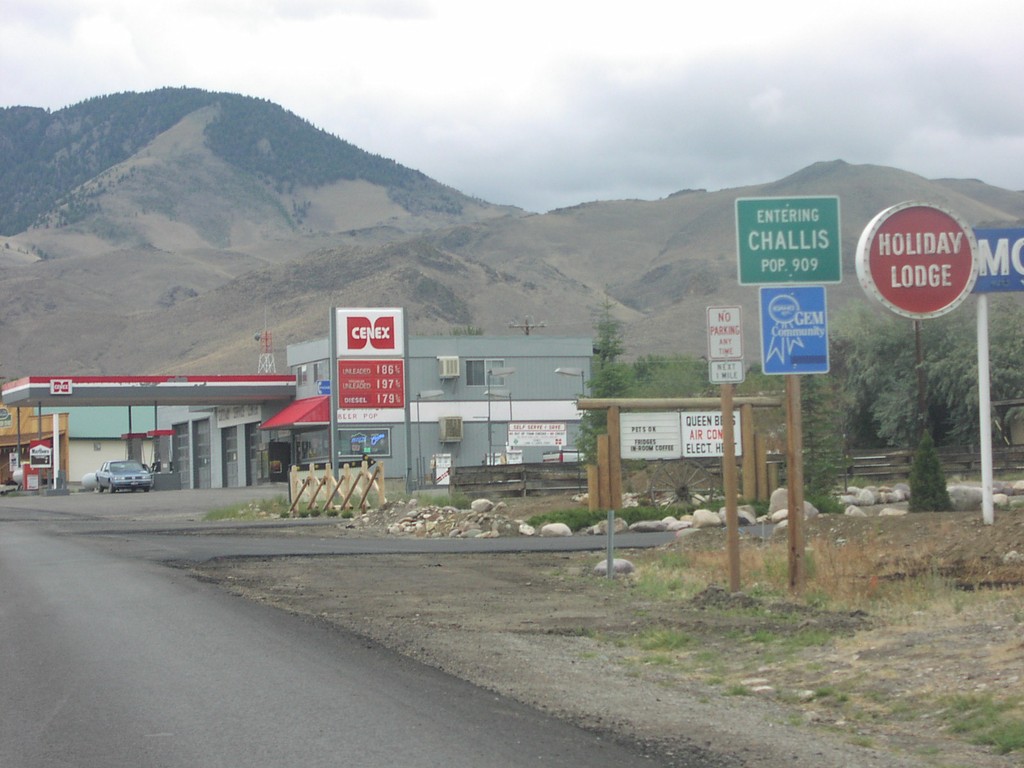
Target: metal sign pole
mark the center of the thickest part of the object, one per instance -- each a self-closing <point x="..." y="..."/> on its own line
<point x="729" y="467"/>
<point x="795" y="483"/>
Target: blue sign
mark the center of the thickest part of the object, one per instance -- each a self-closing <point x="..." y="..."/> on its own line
<point x="1000" y="260"/>
<point x="794" y="330"/>
<point x="323" y="386"/>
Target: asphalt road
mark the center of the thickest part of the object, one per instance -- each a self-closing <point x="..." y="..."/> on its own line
<point x="109" y="658"/>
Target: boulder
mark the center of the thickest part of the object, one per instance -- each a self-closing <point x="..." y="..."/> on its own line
<point x="619" y="566"/>
<point x="482" y="505"/>
<point x="555" y="529"/>
<point x="965" y="497"/>
<point x="705" y="518"/>
<point x="649" y="526"/>
<point x="779" y="500"/>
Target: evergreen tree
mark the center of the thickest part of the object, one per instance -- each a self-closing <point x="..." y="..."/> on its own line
<point x="609" y="378"/>
<point x="824" y="451"/>
<point x="927" y="481"/>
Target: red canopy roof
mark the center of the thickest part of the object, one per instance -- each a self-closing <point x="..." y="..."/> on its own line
<point x="308" y="412"/>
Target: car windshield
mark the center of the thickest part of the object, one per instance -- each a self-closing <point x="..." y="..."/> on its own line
<point x="126" y="466"/>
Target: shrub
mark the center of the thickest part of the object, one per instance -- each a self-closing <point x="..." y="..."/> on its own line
<point x="927" y="482"/>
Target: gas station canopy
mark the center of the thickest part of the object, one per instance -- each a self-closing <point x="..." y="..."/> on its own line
<point x="72" y="391"/>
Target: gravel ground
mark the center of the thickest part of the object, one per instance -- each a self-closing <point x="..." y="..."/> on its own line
<point x="541" y="628"/>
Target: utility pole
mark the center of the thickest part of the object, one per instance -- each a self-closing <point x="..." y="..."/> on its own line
<point x="526" y="326"/>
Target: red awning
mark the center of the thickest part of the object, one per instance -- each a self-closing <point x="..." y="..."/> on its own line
<point x="308" y="412"/>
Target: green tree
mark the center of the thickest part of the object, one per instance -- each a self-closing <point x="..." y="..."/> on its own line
<point x="678" y="376"/>
<point x="821" y="405"/>
<point x="927" y="482"/>
<point x="609" y="378"/>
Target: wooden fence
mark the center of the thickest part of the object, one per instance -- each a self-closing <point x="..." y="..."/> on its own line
<point x="877" y="466"/>
<point x="519" y="479"/>
<point x="315" y="487"/>
<point x="886" y="465"/>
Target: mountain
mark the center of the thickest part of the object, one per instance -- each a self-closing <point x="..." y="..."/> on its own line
<point x="157" y="232"/>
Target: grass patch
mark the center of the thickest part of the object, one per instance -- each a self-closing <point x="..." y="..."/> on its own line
<point x="433" y="499"/>
<point x="260" y="509"/>
<point x="984" y="720"/>
<point x="666" y="640"/>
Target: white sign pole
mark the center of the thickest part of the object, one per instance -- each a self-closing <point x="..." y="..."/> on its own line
<point x="985" y="412"/>
<point x="55" y="465"/>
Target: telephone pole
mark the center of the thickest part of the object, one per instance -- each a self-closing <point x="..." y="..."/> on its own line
<point x="526" y="326"/>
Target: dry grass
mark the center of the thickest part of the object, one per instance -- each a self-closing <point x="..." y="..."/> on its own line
<point x="937" y="646"/>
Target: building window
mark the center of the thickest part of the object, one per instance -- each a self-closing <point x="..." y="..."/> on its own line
<point x="301" y="374"/>
<point x="476" y="373"/>
<point x="321" y="370"/>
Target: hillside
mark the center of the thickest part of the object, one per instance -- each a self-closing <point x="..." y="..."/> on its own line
<point x="228" y="210"/>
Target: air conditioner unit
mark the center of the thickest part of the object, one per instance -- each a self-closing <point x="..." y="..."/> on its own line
<point x="450" y="428"/>
<point x="448" y="367"/>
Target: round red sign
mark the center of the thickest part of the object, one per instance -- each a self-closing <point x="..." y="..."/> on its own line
<point x="917" y="259"/>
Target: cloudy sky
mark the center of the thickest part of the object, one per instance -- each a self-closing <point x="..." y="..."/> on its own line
<point x="549" y="103"/>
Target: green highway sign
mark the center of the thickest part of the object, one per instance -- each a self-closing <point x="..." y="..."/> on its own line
<point x="788" y="240"/>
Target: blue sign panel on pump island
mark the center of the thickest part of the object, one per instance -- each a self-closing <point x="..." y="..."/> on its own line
<point x="794" y="330"/>
<point x="788" y="240"/>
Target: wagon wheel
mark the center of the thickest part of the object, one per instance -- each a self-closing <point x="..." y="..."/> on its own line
<point x="687" y="479"/>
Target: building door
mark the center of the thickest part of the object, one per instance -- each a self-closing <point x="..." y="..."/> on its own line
<point x="201" y="454"/>
<point x="182" y="462"/>
<point x="279" y="455"/>
<point x="252" y="443"/>
<point x="229" y="457"/>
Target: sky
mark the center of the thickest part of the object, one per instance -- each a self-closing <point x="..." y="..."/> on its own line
<point x="550" y="103"/>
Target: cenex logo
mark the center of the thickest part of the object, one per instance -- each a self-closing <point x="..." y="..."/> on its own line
<point x="379" y="334"/>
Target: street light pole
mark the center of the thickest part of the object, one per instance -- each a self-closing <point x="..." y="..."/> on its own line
<point x="429" y="394"/>
<point x="575" y="372"/>
<point x="491" y="373"/>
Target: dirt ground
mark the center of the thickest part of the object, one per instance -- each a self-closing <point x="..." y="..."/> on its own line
<point x="543" y="629"/>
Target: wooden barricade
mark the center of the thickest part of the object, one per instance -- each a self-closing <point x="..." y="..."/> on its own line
<point x="317" y="487"/>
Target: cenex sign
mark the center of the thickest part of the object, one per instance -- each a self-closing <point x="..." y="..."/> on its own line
<point x="917" y="259"/>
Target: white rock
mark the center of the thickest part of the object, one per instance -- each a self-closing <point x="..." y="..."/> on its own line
<point x="649" y="526"/>
<point x="482" y="505"/>
<point x="779" y="515"/>
<point x="618" y="566"/>
<point x="679" y="525"/>
<point x="1013" y="558"/>
<point x="779" y="500"/>
<point x="555" y="529"/>
<point x="526" y="529"/>
<point x="852" y="511"/>
<point x="747" y="513"/>
<point x="866" y="497"/>
<point x="1000" y="500"/>
<point x="892" y="512"/>
<point x="965" y="497"/>
<point x="705" y="518"/>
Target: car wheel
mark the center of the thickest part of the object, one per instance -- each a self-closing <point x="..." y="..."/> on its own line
<point x="99" y="488"/>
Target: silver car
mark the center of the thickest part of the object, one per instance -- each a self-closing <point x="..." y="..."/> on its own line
<point x="123" y="476"/>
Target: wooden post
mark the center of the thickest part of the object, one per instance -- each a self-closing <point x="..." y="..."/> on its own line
<point x="795" y="483"/>
<point x="604" y="493"/>
<point x="749" y="453"/>
<point x="614" y="459"/>
<point x="593" y="488"/>
<point x="729" y="467"/>
<point x="761" y="452"/>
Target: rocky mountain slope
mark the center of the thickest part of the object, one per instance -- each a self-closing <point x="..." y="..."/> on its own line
<point x="169" y="250"/>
